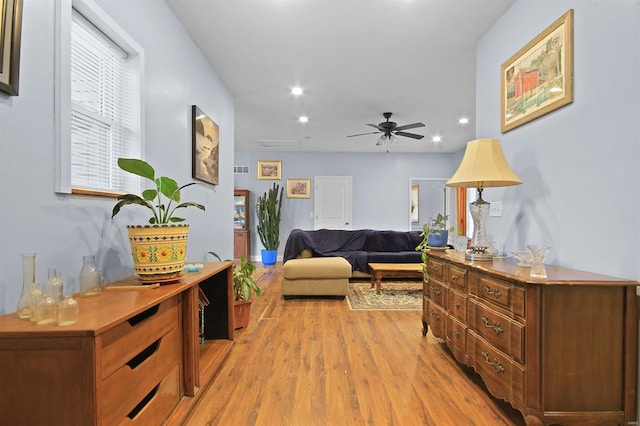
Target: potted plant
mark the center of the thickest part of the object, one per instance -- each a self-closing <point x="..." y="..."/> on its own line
<point x="434" y="234"/>
<point x="158" y="249"/>
<point x="268" y="211"/>
<point x="243" y="286"/>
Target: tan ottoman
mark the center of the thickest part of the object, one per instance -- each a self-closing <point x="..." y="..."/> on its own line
<point x="316" y="276"/>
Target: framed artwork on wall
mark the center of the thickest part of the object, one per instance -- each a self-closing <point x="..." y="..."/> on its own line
<point x="298" y="188"/>
<point x="414" y="207"/>
<point x="10" y="35"/>
<point x="538" y="79"/>
<point x="269" y="169"/>
<point x="206" y="147"/>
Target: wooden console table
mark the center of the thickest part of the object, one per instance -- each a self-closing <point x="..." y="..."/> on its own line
<point x="393" y="270"/>
<point x="560" y="350"/>
<point x="134" y="356"/>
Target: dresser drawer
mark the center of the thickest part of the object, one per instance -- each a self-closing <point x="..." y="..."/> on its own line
<point x="503" y="294"/>
<point x="437" y="292"/>
<point x="457" y="305"/>
<point x="458" y="277"/>
<point x="136" y="380"/>
<point x="503" y="376"/>
<point x="124" y="341"/>
<point x="435" y="268"/>
<point x="457" y="338"/>
<point x="436" y="319"/>
<point x="156" y="406"/>
<point x="503" y="332"/>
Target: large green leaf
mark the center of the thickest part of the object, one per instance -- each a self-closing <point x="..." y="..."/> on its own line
<point x="137" y="167"/>
<point x="149" y="194"/>
<point x="169" y="188"/>
<point x="129" y="199"/>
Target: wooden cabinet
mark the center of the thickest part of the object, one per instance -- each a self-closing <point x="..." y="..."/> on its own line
<point x="133" y="357"/>
<point x="241" y="241"/>
<point x="560" y="350"/>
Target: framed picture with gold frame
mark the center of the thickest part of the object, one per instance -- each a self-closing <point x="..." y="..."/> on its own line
<point x="269" y="169"/>
<point x="10" y="36"/>
<point x="298" y="188"/>
<point x="538" y="79"/>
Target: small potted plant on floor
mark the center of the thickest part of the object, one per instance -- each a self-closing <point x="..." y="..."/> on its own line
<point x="158" y="249"/>
<point x="243" y="286"/>
<point x="268" y="211"/>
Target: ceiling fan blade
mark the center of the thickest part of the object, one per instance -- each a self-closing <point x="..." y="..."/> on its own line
<point x="410" y="126"/>
<point x="362" y="134"/>
<point x="409" y="135"/>
<point x="375" y="126"/>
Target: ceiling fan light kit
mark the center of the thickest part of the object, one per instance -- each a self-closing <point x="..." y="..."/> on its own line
<point x="390" y="130"/>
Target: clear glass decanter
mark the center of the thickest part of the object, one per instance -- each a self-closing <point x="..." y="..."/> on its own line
<point x="28" y="277"/>
<point x="90" y="282"/>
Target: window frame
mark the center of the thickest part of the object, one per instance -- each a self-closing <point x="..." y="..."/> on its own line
<point x="99" y="18"/>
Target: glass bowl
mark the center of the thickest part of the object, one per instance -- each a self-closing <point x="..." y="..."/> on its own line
<point x="523" y="258"/>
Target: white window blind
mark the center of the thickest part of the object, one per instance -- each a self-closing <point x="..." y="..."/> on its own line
<point x="104" y="110"/>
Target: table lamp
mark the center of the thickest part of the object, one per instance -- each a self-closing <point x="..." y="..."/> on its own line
<point x="483" y="165"/>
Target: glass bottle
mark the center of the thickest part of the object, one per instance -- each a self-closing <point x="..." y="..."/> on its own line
<point x="68" y="311"/>
<point x="53" y="287"/>
<point x="46" y="310"/>
<point x="35" y="296"/>
<point x="28" y="277"/>
<point x="89" y="277"/>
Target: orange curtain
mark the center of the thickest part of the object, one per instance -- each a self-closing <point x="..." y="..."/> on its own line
<point x="461" y="210"/>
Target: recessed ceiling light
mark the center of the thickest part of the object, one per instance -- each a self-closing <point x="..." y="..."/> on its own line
<point x="303" y="119"/>
<point x="297" y="91"/>
<point x="437" y="139"/>
<point x="463" y="120"/>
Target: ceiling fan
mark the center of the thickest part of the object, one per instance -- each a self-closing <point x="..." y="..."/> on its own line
<point x="389" y="128"/>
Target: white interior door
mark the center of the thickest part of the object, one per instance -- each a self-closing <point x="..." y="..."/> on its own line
<point x="332" y="202"/>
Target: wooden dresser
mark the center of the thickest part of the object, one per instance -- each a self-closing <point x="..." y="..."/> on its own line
<point x="134" y="356"/>
<point x="561" y="350"/>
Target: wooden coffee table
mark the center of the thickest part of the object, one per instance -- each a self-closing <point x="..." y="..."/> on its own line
<point x="393" y="270"/>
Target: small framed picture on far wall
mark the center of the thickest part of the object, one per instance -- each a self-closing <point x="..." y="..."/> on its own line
<point x="269" y="169"/>
<point x="298" y="188"/>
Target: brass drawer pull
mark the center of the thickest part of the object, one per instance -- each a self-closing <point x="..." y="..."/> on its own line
<point x="435" y="268"/>
<point x="454" y="278"/>
<point x="435" y="290"/>
<point x="495" y="293"/>
<point x="456" y="304"/>
<point x="456" y="333"/>
<point x="495" y="363"/>
<point x="496" y="327"/>
<point x="435" y="315"/>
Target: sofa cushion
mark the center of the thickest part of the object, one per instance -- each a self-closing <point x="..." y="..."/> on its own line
<point x="395" y="257"/>
<point x="317" y="268"/>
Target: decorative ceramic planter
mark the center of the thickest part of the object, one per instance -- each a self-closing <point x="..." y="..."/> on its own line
<point x="241" y="311"/>
<point x="438" y="238"/>
<point x="158" y="251"/>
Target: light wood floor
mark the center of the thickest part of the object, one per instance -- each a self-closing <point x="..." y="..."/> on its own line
<point x="316" y="362"/>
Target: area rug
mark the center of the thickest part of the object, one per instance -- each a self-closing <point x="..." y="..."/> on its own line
<point x="394" y="296"/>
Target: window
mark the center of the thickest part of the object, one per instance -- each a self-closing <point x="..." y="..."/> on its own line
<point x="98" y="101"/>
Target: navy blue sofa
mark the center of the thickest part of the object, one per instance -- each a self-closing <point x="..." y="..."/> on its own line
<point x="358" y="247"/>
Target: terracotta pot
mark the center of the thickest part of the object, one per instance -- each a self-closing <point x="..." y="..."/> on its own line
<point x="241" y="311"/>
<point x="158" y="251"/>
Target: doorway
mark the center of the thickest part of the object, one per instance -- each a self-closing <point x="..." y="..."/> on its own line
<point x="332" y="202"/>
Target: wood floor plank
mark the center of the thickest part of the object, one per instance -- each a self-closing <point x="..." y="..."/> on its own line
<point x="316" y="362"/>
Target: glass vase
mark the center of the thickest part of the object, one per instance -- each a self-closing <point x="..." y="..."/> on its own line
<point x="538" y="254"/>
<point x="28" y="277"/>
<point x="68" y="311"/>
<point x="90" y="282"/>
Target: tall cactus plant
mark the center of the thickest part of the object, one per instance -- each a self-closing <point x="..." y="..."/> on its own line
<point x="268" y="211"/>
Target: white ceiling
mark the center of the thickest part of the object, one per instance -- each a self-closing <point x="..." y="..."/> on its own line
<point x="355" y="59"/>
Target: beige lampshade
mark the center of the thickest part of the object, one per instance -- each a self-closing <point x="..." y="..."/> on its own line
<point x="483" y="165"/>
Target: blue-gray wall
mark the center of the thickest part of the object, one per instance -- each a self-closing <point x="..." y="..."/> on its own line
<point x="579" y="164"/>
<point x="380" y="186"/>
<point x="62" y="228"/>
